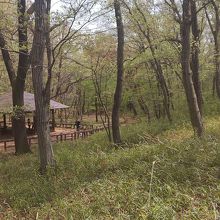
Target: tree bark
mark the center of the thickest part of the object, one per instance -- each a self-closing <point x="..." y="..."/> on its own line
<point x="144" y="107"/>
<point x="156" y="64"/>
<point x="120" y="59"/>
<point x="161" y="80"/>
<point x="216" y="35"/>
<point x="192" y="101"/>
<point x="195" y="55"/>
<point x="18" y="121"/>
<point x="18" y="81"/>
<point x="41" y="92"/>
<point x="96" y="109"/>
<point x="101" y="104"/>
<point x="215" y="29"/>
<point x="131" y="107"/>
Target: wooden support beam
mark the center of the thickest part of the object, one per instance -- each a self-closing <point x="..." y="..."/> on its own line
<point x="53" y="119"/>
<point x="4" y="124"/>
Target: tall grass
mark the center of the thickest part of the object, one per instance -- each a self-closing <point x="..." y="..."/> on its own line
<point x="160" y="172"/>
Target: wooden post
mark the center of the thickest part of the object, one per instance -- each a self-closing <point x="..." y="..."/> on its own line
<point x="29" y="140"/>
<point x="34" y="126"/>
<point x="53" y="119"/>
<point x="5" y="145"/>
<point x="4" y="119"/>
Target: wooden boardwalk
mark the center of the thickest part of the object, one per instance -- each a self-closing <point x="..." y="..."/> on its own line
<point x="7" y="145"/>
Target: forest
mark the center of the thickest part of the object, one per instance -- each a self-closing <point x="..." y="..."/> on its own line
<point x="110" y="109"/>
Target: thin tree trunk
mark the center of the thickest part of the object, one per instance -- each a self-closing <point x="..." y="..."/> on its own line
<point x="97" y="86"/>
<point x="195" y="55"/>
<point x="156" y="64"/>
<point x="83" y="102"/>
<point x="215" y="29"/>
<point x="120" y="60"/>
<point x="144" y="108"/>
<point x="162" y="82"/>
<point x="131" y="107"/>
<point x="213" y="86"/>
<point x="96" y="110"/>
<point x="194" y="111"/>
<point x="217" y="47"/>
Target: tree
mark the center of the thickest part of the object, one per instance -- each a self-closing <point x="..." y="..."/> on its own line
<point x="41" y="90"/>
<point x="215" y="30"/>
<point x="120" y="59"/>
<point x="99" y="63"/>
<point x="147" y="36"/>
<point x="17" y="81"/>
<point x="188" y="24"/>
<point x="195" y="115"/>
<point x="195" y="54"/>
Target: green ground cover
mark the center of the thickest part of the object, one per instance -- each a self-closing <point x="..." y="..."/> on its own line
<point x="161" y="172"/>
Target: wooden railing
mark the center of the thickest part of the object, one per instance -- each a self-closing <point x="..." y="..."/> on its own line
<point x="71" y="136"/>
<point x="58" y="125"/>
<point x="69" y="125"/>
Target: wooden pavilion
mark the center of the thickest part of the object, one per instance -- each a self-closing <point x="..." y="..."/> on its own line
<point x="29" y="107"/>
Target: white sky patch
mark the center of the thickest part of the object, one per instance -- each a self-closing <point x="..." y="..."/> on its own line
<point x="100" y="23"/>
<point x="56" y="5"/>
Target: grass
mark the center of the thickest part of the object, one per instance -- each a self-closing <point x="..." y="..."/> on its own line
<point x="161" y="172"/>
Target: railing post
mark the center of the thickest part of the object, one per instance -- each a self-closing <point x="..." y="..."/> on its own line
<point x="5" y="145"/>
<point x="29" y="141"/>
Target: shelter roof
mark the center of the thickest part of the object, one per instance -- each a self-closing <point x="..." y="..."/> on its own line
<point x="29" y="103"/>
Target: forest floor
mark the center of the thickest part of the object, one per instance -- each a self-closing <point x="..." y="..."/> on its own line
<point x="161" y="171"/>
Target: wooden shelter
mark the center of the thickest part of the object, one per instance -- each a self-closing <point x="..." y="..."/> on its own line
<point x="6" y="106"/>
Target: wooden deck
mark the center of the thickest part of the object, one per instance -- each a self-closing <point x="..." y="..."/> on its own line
<point x="7" y="145"/>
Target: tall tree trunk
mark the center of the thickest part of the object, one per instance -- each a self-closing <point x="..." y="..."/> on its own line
<point x="42" y="92"/>
<point x="216" y="35"/>
<point x="18" y="121"/>
<point x="21" y="143"/>
<point x="195" y="55"/>
<point x="192" y="101"/>
<point x="18" y="81"/>
<point x="144" y="107"/>
<point x="83" y="102"/>
<point x="217" y="64"/>
<point x="215" y="29"/>
<point x="120" y="59"/>
<point x="131" y="107"/>
<point x="96" y="109"/>
<point x="161" y="80"/>
<point x="156" y="64"/>
<point x="101" y="106"/>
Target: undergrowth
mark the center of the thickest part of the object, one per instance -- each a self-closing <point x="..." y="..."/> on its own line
<point x="160" y="172"/>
